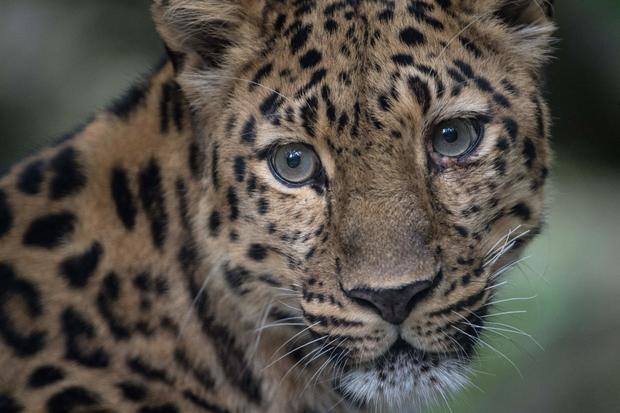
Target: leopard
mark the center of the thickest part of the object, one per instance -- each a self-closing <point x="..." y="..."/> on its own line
<point x="306" y="206"/>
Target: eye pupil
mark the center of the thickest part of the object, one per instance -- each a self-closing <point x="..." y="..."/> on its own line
<point x="293" y="159"/>
<point x="456" y="137"/>
<point x="450" y="134"/>
<point x="295" y="164"/>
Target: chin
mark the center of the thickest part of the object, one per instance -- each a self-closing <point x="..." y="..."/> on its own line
<point x="404" y="379"/>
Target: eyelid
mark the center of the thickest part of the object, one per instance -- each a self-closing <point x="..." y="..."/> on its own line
<point x="262" y="152"/>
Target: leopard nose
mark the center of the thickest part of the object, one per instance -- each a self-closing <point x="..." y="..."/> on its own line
<point x="393" y="305"/>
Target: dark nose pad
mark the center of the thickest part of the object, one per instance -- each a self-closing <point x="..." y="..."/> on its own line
<point x="393" y="305"/>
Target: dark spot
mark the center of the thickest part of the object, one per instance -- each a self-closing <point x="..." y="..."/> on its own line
<point x="502" y="144"/>
<point x="263" y="206"/>
<point x="456" y="76"/>
<point x="469" y="45"/>
<point x="257" y="252"/>
<point x="483" y="84"/>
<point x="6" y="215"/>
<point x="300" y="38"/>
<point x="203" y="404"/>
<point x="540" y="119"/>
<point x="153" y="202"/>
<point x="49" y="231"/>
<point x="270" y="106"/>
<point x="123" y="198"/>
<point x="251" y="185"/>
<point x="310" y="59"/>
<point x="215" y="176"/>
<point x="80" y="268"/>
<point x="248" y="133"/>
<point x="68" y="178"/>
<point x="529" y="152"/>
<point x="511" y="127"/>
<point x="215" y="220"/>
<point x="386" y="16"/>
<point x="148" y="372"/>
<point x="183" y="203"/>
<point x="384" y="103"/>
<point x="420" y="91"/>
<point x="177" y="59"/>
<point x="279" y="23"/>
<point x="11" y="288"/>
<point x="81" y="341"/>
<point x="501" y="100"/>
<point x="233" y="203"/>
<point x="462" y="231"/>
<point x="202" y="375"/>
<point x="499" y="164"/>
<point x="44" y="376"/>
<point x="71" y="399"/>
<point x="196" y="158"/>
<point x="261" y="73"/>
<point x="239" y="168"/>
<point x="510" y="87"/>
<point x="132" y="391"/>
<point x="236" y="277"/>
<point x="9" y="404"/>
<point x="465" y="68"/>
<point x="330" y="26"/>
<point x="133" y="98"/>
<point x="315" y="79"/>
<point x="402" y="59"/>
<point x="30" y="179"/>
<point x="521" y="210"/>
<point x="411" y="37"/>
<point x="162" y="408"/>
<point x="309" y="115"/>
<point x="106" y="302"/>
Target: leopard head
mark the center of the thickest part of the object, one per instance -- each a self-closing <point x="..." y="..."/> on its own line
<point x="372" y="167"/>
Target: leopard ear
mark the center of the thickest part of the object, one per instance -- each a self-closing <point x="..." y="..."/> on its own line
<point x="531" y="28"/>
<point x="525" y="12"/>
<point x="207" y="32"/>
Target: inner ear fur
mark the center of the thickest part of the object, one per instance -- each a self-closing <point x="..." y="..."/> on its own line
<point x="210" y="30"/>
<point x="525" y="12"/>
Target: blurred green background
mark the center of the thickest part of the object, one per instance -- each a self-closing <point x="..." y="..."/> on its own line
<point x="63" y="60"/>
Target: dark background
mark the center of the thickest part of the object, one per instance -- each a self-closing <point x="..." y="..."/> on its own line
<point x="63" y="60"/>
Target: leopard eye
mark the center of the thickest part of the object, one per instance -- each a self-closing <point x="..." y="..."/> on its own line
<point x="456" y="137"/>
<point x="295" y="164"/>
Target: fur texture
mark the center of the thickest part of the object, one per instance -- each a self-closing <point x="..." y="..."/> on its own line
<point x="152" y="262"/>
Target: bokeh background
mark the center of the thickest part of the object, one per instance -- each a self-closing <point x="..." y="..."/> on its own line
<point x="62" y="60"/>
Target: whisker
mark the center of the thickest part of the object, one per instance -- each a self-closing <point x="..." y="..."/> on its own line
<point x="502" y="238"/>
<point x="299" y="362"/>
<point x="496" y="351"/>
<point x="293" y="338"/>
<point x="268" y="326"/>
<point x="515" y="330"/>
<point x="460" y="32"/>
<point x="293" y="351"/>
<point x="505" y="313"/>
<point x="507" y="300"/>
<point x="259" y="331"/>
<point x="188" y="315"/>
<point x="509" y="267"/>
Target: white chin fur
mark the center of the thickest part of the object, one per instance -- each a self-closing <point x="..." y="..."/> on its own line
<point x="406" y="388"/>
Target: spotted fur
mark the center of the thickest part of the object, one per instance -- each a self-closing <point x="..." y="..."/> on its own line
<point x="152" y="262"/>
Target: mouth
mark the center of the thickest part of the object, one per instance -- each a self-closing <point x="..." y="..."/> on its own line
<point x="404" y="378"/>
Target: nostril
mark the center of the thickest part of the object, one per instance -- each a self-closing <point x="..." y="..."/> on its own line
<point x="393" y="305"/>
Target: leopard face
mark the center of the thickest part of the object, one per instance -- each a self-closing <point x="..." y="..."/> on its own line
<point x="374" y="168"/>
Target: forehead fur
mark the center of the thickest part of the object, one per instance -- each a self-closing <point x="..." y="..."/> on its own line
<point x="355" y="37"/>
